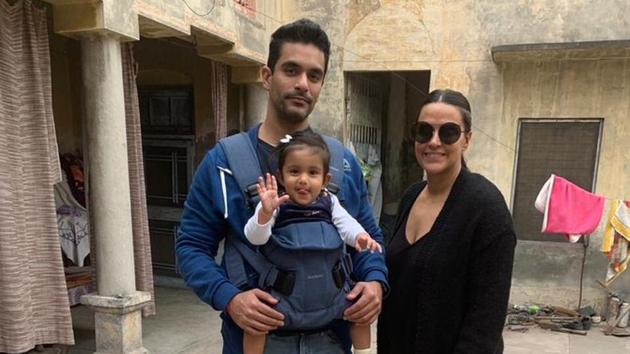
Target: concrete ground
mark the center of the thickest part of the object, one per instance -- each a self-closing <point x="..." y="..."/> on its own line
<point x="185" y="325"/>
<point x="538" y="340"/>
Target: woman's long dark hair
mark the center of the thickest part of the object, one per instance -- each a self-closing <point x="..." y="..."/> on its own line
<point x="456" y="99"/>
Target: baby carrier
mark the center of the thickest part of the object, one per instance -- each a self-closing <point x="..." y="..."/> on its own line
<point x="304" y="264"/>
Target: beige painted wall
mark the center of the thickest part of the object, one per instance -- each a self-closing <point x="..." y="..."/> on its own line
<point x="329" y="113"/>
<point x="256" y="98"/>
<point x="453" y="41"/>
<point x="212" y="23"/>
<point x="576" y="89"/>
<point x="572" y="89"/>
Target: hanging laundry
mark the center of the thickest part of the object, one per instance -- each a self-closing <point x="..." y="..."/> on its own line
<point x="568" y="209"/>
<point x="616" y="240"/>
<point x="74" y="232"/>
<point x="73" y="224"/>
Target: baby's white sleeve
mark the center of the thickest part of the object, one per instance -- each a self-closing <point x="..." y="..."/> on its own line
<point x="256" y="233"/>
<point x="347" y="226"/>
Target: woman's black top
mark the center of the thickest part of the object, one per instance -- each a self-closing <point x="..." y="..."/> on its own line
<point x="449" y="290"/>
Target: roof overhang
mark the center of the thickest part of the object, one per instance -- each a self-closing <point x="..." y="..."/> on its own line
<point x="593" y="50"/>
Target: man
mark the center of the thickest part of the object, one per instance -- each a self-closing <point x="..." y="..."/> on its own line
<point x="215" y="207"/>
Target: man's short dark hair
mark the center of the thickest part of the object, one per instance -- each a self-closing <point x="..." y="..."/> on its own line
<point x="301" y="31"/>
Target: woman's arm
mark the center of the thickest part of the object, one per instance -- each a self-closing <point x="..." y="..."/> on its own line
<point x="489" y="283"/>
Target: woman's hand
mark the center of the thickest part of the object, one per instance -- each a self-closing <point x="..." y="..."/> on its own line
<point x="268" y="193"/>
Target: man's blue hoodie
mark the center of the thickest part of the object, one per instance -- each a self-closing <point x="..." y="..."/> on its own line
<point x="215" y="207"/>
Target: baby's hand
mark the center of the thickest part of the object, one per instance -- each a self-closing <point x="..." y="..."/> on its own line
<point x="268" y="193"/>
<point x="365" y="242"/>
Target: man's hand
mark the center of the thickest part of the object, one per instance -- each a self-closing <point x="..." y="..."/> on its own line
<point x="368" y="306"/>
<point x="250" y="310"/>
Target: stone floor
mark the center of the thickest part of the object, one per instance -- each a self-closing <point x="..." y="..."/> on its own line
<point x="185" y="325"/>
<point x="538" y="340"/>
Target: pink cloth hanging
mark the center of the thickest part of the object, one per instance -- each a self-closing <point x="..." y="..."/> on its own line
<point x="568" y="209"/>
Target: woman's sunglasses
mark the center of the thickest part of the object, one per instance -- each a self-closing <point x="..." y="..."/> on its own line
<point x="449" y="132"/>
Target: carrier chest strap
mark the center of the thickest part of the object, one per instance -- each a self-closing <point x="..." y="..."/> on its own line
<point x="243" y="161"/>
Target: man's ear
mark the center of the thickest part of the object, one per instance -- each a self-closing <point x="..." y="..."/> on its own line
<point x="266" y="74"/>
<point x="327" y="179"/>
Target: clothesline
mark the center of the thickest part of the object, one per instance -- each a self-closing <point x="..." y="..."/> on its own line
<point x="599" y="195"/>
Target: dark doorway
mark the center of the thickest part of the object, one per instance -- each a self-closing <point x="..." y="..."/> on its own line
<point x="168" y="147"/>
<point x="380" y="108"/>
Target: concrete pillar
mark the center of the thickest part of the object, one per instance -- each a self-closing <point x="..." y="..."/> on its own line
<point x="118" y="319"/>
<point x="110" y="204"/>
<point x="256" y="98"/>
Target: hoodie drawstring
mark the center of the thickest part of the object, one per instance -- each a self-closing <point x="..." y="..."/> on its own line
<point x="222" y="172"/>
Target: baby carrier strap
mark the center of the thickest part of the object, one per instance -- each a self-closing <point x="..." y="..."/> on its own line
<point x="269" y="276"/>
<point x="314" y="252"/>
<point x="336" y="166"/>
<point x="243" y="161"/>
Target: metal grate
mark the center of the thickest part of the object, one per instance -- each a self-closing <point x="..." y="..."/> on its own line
<point x="364" y="134"/>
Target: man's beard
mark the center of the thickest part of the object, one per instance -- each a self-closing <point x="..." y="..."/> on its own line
<point x="293" y="116"/>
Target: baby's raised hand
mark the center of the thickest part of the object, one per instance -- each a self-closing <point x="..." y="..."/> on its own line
<point x="365" y="242"/>
<point x="268" y="192"/>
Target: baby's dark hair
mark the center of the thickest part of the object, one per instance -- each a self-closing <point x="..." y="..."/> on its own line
<point x="304" y="139"/>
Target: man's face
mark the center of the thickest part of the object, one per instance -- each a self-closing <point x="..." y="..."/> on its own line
<point x="295" y="82"/>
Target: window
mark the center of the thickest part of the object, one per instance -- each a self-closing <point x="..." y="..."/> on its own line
<point x="567" y="148"/>
<point x="166" y="111"/>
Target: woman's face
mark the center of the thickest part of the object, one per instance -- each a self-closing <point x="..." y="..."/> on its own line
<point x="436" y="156"/>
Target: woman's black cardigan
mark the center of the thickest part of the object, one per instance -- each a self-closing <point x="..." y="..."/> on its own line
<point x="465" y="271"/>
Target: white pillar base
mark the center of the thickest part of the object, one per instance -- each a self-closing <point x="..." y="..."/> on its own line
<point x="118" y="322"/>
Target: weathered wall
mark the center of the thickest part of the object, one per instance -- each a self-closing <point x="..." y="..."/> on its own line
<point x="255" y="104"/>
<point x="329" y="113"/>
<point x="453" y="40"/>
<point x="213" y="24"/>
<point x="571" y="89"/>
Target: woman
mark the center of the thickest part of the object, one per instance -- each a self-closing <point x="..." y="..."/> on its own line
<point x="450" y="256"/>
